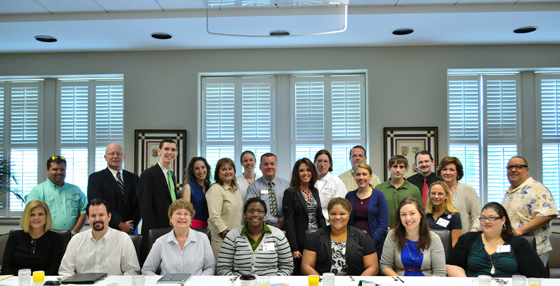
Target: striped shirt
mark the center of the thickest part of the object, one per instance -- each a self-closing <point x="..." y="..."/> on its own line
<point x="237" y="257"/>
<point x="196" y="257"/>
<point x="350" y="182"/>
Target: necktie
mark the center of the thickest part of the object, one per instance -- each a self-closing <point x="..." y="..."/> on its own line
<point x="272" y="200"/>
<point x="425" y="191"/>
<point x="171" y="185"/>
<point x="120" y="182"/>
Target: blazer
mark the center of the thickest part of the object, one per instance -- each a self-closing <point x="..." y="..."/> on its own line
<point x="526" y="256"/>
<point x="154" y="198"/>
<point x="378" y="217"/>
<point x="358" y="245"/>
<point x="296" y="217"/>
<point x="103" y="185"/>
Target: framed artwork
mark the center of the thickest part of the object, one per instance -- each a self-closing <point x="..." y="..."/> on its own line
<point x="407" y="141"/>
<point x="146" y="145"/>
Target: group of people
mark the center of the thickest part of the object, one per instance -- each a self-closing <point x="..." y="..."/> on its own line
<point x="352" y="224"/>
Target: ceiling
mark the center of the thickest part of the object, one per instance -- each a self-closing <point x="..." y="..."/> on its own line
<point x="126" y="25"/>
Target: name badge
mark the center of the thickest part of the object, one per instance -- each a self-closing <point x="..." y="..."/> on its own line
<point x="503" y="248"/>
<point x="264" y="192"/>
<point x="442" y="222"/>
<point x="268" y="246"/>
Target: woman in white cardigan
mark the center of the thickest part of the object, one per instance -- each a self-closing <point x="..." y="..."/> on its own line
<point x="411" y="249"/>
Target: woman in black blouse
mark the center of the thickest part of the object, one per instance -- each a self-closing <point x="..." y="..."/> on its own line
<point x="35" y="246"/>
<point x="302" y="208"/>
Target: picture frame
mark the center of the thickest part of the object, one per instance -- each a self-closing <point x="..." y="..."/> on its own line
<point x="146" y="144"/>
<point x="407" y="141"/>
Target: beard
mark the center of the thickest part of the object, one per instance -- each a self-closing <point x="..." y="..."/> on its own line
<point x="98" y="226"/>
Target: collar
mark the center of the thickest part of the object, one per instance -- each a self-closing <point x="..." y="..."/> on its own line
<point x="54" y="185"/>
<point x="165" y="170"/>
<point x="529" y="181"/>
<point x="172" y="238"/>
<point x="104" y="237"/>
<point x="265" y="229"/>
<point x="114" y="172"/>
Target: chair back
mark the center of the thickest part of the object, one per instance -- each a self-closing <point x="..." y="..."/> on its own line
<point x="309" y="231"/>
<point x="153" y="235"/>
<point x="65" y="235"/>
<point x="3" y="241"/>
<point x="531" y="240"/>
<point x="205" y="231"/>
<point x="554" y="256"/>
<point x="137" y="241"/>
<point x="445" y="236"/>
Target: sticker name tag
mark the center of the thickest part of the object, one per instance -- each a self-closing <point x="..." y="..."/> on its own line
<point x="442" y="222"/>
<point x="264" y="192"/>
<point x="268" y="246"/>
<point x="503" y="248"/>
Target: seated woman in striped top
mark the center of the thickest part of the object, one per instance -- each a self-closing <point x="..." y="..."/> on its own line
<point x="265" y="246"/>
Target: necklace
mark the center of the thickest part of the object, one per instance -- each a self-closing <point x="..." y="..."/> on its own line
<point x="410" y="253"/>
<point x="307" y="194"/>
<point x="492" y="270"/>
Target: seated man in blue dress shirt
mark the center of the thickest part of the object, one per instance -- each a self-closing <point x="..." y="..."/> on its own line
<point x="270" y="189"/>
<point x="66" y="202"/>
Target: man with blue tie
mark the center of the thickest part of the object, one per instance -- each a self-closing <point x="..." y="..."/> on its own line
<point x="157" y="188"/>
<point x="119" y="188"/>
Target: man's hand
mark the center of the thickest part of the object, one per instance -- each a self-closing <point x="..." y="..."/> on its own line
<point x="280" y="223"/>
<point x="518" y="232"/>
<point x="124" y="226"/>
<point x="296" y="254"/>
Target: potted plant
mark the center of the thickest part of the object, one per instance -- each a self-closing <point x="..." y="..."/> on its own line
<point x="6" y="176"/>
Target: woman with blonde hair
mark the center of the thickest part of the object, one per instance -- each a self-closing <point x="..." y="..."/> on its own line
<point x="35" y="246"/>
<point x="441" y="213"/>
<point x="225" y="205"/>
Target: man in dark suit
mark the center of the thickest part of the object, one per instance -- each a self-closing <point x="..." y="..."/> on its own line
<point x="119" y="188"/>
<point x="425" y="177"/>
<point x="157" y="188"/>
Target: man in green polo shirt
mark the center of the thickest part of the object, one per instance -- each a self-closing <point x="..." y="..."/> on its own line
<point x="397" y="188"/>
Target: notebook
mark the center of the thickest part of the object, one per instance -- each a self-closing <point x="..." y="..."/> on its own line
<point x="170" y="278"/>
<point x="84" y="278"/>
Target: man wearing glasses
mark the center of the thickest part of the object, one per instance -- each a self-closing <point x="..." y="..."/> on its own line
<point x="119" y="188"/>
<point x="530" y="206"/>
<point x="66" y="201"/>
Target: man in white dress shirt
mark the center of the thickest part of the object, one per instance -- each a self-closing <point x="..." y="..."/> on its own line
<point x="101" y="249"/>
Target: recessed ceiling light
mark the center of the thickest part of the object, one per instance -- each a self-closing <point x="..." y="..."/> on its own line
<point x="525" y="30"/>
<point x="402" y="31"/>
<point x="45" y="39"/>
<point x="161" y="36"/>
<point x="279" y="33"/>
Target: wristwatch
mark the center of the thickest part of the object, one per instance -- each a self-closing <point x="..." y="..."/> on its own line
<point x="73" y="232"/>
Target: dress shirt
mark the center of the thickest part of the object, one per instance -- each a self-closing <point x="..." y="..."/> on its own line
<point x="113" y="254"/>
<point x="66" y="204"/>
<point x="195" y="258"/>
<point x="243" y="185"/>
<point x="418" y="180"/>
<point x="259" y="188"/>
<point x="114" y="172"/>
<point x="350" y="182"/>
<point x="329" y="186"/>
<point x="165" y="170"/>
<point x="529" y="200"/>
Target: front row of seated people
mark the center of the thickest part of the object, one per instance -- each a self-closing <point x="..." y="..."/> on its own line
<point x="410" y="248"/>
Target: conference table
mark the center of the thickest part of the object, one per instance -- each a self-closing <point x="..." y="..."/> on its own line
<point x="299" y="281"/>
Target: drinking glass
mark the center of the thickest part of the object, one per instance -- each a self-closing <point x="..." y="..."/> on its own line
<point x="368" y="283"/>
<point x="519" y="280"/>
<point x="264" y="280"/>
<point x="137" y="280"/>
<point x="484" y="280"/>
<point x="534" y="282"/>
<point x="328" y="279"/>
<point x="38" y="277"/>
<point x="313" y="280"/>
<point x="24" y="277"/>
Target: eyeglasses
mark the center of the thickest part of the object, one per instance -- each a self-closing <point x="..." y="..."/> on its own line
<point x="57" y="157"/>
<point x="33" y="241"/>
<point x="517" y="167"/>
<point x="113" y="154"/>
<point x="252" y="211"/>
<point x="181" y="214"/>
<point x="490" y="218"/>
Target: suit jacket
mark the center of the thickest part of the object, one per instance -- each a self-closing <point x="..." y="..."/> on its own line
<point x="103" y="185"/>
<point x="154" y="198"/>
<point x="296" y="217"/>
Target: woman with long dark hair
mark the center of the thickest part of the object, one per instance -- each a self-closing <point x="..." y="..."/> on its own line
<point x="411" y="249"/>
<point x="494" y="251"/>
<point x="198" y="178"/>
<point x="302" y="208"/>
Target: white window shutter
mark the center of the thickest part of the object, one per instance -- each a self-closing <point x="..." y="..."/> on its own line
<point x="219" y="110"/>
<point x="309" y="109"/>
<point x="550" y="128"/>
<point x="24" y="166"/>
<point x="463" y="108"/>
<point x="501" y="107"/>
<point x="469" y="155"/>
<point x="24" y="114"/>
<point x="256" y="115"/>
<point x="498" y="157"/>
<point x="109" y="105"/>
<point x="347" y="112"/>
<point x="2" y="122"/>
<point x="74" y="119"/>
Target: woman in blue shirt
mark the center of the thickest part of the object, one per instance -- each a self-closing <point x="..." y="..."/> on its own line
<point x="198" y="178"/>
<point x="441" y="213"/>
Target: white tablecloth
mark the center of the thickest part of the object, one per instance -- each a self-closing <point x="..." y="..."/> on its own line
<point x="297" y="281"/>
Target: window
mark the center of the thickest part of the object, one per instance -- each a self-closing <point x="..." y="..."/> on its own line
<point x="320" y="111"/>
<point x="485" y="127"/>
<point x="87" y="116"/>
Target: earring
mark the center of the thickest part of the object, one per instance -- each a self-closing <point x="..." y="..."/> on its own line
<point x="170" y="223"/>
<point x="503" y="226"/>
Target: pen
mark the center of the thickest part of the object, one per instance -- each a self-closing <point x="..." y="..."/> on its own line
<point x="171" y="277"/>
<point x="400" y="279"/>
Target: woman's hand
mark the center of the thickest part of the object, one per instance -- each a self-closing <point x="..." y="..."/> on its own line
<point x="296" y="254"/>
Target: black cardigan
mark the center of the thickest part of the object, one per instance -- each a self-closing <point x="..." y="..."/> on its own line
<point x="358" y="245"/>
<point x="528" y="261"/>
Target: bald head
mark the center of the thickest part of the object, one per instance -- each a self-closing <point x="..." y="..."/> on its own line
<point x="114" y="155"/>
